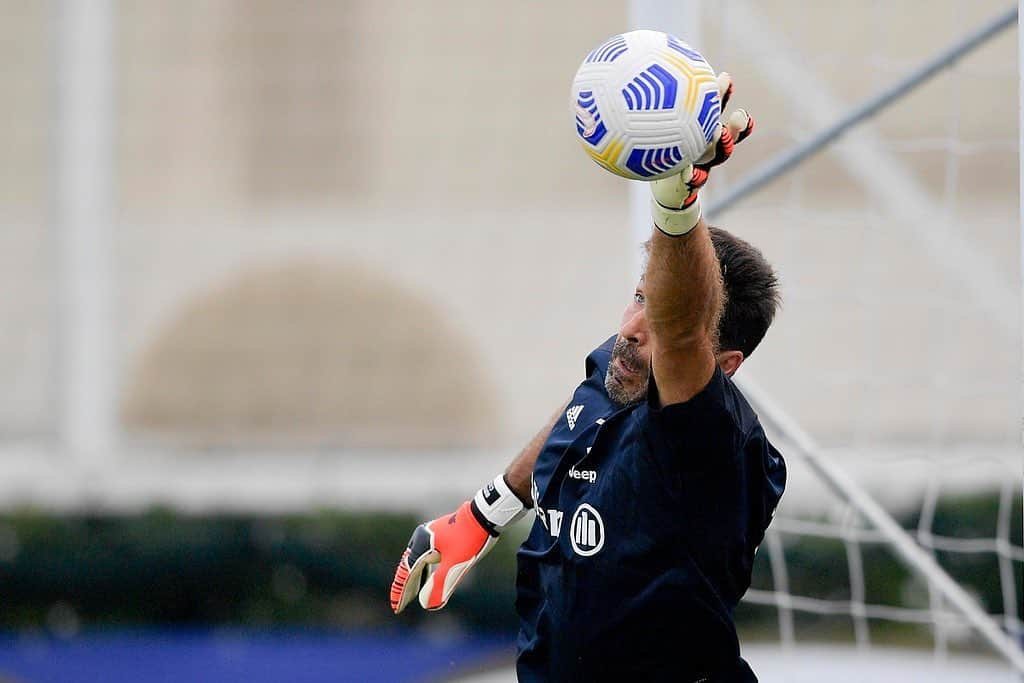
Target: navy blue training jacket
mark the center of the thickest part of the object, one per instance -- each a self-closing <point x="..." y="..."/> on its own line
<point x="647" y="520"/>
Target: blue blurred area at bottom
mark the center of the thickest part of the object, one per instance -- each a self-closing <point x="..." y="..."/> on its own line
<point x="227" y="656"/>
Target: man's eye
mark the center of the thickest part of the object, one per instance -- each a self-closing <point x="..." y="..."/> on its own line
<point x="639" y="298"/>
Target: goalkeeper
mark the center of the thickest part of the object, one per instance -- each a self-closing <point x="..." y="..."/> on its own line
<point x="652" y="487"/>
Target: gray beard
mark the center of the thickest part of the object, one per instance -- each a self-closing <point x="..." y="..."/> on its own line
<point x="618" y="393"/>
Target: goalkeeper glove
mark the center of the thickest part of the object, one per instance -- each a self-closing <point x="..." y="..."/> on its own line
<point x="441" y="551"/>
<point x="675" y="204"/>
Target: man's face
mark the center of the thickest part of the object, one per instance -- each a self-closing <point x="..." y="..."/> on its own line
<point x="630" y="366"/>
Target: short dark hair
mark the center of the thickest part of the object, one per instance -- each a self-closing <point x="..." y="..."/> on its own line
<point x="751" y="293"/>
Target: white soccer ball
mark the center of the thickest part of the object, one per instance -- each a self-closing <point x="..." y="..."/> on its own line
<point x="646" y="104"/>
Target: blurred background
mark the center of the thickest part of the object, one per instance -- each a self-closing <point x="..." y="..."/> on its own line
<point x="280" y="279"/>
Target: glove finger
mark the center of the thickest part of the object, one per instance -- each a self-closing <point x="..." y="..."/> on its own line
<point x="432" y="594"/>
<point x="719" y="151"/>
<point x="403" y="583"/>
<point x="442" y="579"/>
<point x="419" y="554"/>
<point x="698" y="179"/>
<point x="724" y="80"/>
<point x="738" y="128"/>
<point x="740" y="124"/>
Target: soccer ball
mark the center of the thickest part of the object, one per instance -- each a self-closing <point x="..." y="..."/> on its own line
<point x="646" y="104"/>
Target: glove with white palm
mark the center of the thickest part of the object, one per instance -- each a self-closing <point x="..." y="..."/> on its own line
<point x="441" y="551"/>
<point x="675" y="203"/>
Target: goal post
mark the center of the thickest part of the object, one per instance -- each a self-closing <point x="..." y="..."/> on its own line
<point x="83" y="190"/>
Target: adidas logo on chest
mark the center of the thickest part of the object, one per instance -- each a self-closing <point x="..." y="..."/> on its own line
<point x="572" y="414"/>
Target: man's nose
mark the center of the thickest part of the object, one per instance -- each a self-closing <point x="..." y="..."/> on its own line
<point x="635" y="328"/>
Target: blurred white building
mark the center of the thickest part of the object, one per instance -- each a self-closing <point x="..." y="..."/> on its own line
<point x="366" y="225"/>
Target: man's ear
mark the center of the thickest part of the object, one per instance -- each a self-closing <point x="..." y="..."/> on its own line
<point x="730" y="361"/>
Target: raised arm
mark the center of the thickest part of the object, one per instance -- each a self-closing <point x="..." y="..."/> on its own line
<point x="682" y="283"/>
<point x="683" y="287"/>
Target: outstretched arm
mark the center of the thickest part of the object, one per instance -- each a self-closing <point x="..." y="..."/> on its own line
<point x="441" y="551"/>
<point x="520" y="472"/>
<point x="683" y="284"/>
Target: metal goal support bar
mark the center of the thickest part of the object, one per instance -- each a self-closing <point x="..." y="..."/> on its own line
<point x="789" y="160"/>
<point x="907" y="550"/>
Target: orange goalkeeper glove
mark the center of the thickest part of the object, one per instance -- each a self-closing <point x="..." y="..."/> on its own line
<point x="675" y="204"/>
<point x="441" y="551"/>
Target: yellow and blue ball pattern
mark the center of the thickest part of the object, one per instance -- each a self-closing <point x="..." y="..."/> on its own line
<point x="645" y="104"/>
